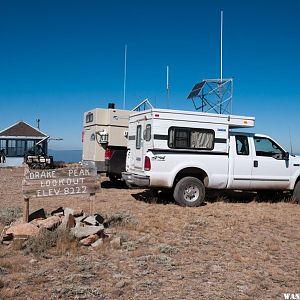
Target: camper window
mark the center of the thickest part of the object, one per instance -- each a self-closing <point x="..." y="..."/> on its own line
<point x="138" y="137"/>
<point x="147" y="133"/>
<point x="89" y="117"/>
<point x="191" y="138"/>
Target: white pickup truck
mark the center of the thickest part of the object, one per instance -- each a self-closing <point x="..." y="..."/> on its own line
<point x="189" y="152"/>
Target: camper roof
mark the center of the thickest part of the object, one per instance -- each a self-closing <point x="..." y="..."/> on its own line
<point x="232" y="121"/>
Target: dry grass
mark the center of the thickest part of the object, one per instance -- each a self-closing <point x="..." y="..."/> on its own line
<point x="62" y="240"/>
<point x="231" y="248"/>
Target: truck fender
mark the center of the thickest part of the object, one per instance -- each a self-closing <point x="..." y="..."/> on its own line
<point x="193" y="171"/>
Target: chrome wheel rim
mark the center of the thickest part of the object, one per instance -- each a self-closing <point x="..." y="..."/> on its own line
<point x="191" y="193"/>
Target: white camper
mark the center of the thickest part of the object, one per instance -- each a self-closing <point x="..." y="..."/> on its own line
<point x="104" y="140"/>
<point x="189" y="152"/>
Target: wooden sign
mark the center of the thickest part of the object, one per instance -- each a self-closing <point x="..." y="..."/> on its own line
<point x="60" y="182"/>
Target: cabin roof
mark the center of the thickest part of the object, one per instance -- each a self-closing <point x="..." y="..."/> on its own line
<point x="22" y="129"/>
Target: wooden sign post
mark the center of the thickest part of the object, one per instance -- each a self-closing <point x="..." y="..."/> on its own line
<point x="59" y="182"/>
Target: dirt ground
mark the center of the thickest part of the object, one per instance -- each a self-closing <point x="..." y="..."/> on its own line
<point x="226" y="249"/>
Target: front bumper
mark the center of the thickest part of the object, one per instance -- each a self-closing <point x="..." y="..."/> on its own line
<point x="136" y="180"/>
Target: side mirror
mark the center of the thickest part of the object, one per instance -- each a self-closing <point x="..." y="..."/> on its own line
<point x="286" y="156"/>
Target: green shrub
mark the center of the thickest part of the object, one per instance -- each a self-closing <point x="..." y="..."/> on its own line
<point x="8" y="215"/>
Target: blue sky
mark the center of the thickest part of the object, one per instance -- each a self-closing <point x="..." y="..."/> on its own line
<point x="59" y="59"/>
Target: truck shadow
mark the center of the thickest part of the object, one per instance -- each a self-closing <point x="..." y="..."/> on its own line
<point x="164" y="197"/>
<point x="247" y="197"/>
<point x="107" y="184"/>
<point x="151" y="197"/>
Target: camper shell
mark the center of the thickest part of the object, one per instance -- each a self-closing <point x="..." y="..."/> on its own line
<point x="167" y="131"/>
<point x="104" y="140"/>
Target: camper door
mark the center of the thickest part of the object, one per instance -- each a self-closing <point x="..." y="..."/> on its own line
<point x="138" y="157"/>
<point x="142" y="143"/>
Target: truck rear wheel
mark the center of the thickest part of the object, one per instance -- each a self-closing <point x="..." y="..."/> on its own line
<point x="189" y="191"/>
<point x="296" y="193"/>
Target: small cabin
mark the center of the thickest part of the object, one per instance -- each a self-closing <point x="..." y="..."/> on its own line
<point x="17" y="139"/>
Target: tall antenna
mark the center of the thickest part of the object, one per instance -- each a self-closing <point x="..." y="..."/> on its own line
<point x="125" y="73"/>
<point x="168" y="87"/>
<point x="221" y="48"/>
<point x="291" y="144"/>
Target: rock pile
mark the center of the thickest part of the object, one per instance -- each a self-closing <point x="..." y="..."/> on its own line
<point x="89" y="230"/>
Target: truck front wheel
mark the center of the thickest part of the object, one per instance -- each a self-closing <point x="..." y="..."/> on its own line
<point x="189" y="191"/>
<point x="296" y="193"/>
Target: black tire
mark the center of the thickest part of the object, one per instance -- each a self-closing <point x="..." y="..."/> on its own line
<point x="113" y="179"/>
<point x="189" y="191"/>
<point x="296" y="193"/>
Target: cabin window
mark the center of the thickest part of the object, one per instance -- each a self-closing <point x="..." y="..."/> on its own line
<point x="89" y="117"/>
<point x="147" y="133"/>
<point x="11" y="148"/>
<point x="266" y="147"/>
<point x="191" y="138"/>
<point x="138" y="140"/>
<point x="21" y="147"/>
<point x="14" y="148"/>
<point x="242" y="145"/>
<point x="30" y="144"/>
<point x="3" y="145"/>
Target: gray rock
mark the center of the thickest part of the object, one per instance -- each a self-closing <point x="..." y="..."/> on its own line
<point x="58" y="212"/>
<point x="98" y="243"/>
<point x="120" y="284"/>
<point x="50" y="223"/>
<point x="68" y="211"/>
<point x="89" y="240"/>
<point x="38" y="214"/>
<point x="79" y="220"/>
<point x="91" y="220"/>
<point x="23" y="230"/>
<point x="68" y="222"/>
<point x="99" y="218"/>
<point x="82" y="232"/>
<point x="5" y="237"/>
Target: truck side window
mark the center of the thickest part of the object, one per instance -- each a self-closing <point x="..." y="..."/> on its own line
<point x="191" y="138"/>
<point x="266" y="147"/>
<point x="242" y="146"/>
<point x="138" y="137"/>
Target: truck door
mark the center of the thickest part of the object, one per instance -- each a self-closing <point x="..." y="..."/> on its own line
<point x="241" y="163"/>
<point x="270" y="168"/>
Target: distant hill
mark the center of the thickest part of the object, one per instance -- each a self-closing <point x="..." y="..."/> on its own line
<point x="66" y="155"/>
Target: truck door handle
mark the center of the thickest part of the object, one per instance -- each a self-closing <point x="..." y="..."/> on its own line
<point x="255" y="163"/>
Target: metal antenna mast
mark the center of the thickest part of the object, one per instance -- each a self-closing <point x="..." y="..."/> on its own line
<point x="125" y="73"/>
<point x="221" y="48"/>
<point x="168" y="88"/>
<point x="291" y="144"/>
